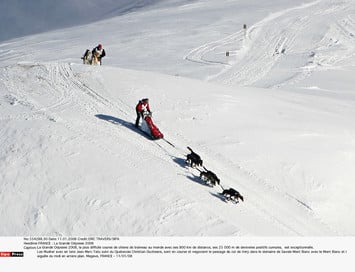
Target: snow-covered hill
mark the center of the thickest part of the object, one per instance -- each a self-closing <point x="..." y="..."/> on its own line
<point x="274" y="120"/>
<point x="20" y="18"/>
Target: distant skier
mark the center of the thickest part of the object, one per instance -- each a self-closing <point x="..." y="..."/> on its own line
<point x="97" y="54"/>
<point x="142" y="109"/>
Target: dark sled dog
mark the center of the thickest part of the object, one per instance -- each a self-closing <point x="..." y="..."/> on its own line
<point x="231" y="194"/>
<point x="193" y="159"/>
<point x="209" y="177"/>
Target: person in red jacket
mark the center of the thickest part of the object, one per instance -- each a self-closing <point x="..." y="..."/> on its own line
<point x="141" y="109"/>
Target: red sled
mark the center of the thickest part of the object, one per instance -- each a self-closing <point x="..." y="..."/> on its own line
<point x="149" y="127"/>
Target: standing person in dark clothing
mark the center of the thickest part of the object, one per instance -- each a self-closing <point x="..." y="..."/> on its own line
<point x="97" y="54"/>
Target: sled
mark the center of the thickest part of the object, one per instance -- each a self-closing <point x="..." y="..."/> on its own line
<point x="150" y="128"/>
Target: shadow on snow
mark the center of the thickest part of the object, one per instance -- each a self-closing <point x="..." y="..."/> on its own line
<point x="118" y="121"/>
<point x="219" y="196"/>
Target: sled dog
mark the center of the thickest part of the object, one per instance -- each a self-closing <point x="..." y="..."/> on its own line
<point x="95" y="59"/>
<point x="209" y="177"/>
<point x="232" y="194"/>
<point x="87" y="57"/>
<point x="193" y="159"/>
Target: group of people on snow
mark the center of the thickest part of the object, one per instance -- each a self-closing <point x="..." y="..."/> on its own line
<point x="94" y="56"/>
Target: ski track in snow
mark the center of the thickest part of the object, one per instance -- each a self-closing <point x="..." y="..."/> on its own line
<point x="268" y="205"/>
<point x="254" y="53"/>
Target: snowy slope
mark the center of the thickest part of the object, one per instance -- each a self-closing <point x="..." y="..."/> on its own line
<point x="73" y="164"/>
<point x="44" y="15"/>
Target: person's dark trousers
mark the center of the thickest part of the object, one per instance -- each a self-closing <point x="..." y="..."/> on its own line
<point x="138" y="117"/>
